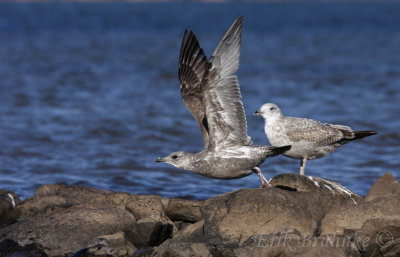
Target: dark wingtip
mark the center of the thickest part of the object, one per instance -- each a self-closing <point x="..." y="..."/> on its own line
<point x="239" y="18"/>
<point x="366" y="133"/>
<point x="282" y="149"/>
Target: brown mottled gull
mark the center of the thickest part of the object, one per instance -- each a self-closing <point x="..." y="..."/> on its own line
<point x="309" y="139"/>
<point x="210" y="90"/>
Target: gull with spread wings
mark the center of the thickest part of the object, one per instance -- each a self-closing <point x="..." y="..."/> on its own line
<point x="210" y="91"/>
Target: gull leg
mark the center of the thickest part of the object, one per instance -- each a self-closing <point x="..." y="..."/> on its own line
<point x="303" y="165"/>
<point x="264" y="181"/>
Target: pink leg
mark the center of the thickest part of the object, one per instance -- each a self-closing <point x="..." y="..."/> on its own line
<point x="264" y="181"/>
<point x="303" y="165"/>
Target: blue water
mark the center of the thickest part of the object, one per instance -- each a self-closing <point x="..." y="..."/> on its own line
<point x="89" y="93"/>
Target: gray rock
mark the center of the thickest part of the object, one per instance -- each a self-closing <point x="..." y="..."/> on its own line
<point x="353" y="217"/>
<point x="387" y="185"/>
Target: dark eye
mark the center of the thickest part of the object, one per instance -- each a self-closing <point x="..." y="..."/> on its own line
<point x="272" y="108"/>
<point x="174" y="156"/>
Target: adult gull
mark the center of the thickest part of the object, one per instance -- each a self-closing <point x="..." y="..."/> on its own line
<point x="210" y="91"/>
<point x="310" y="139"/>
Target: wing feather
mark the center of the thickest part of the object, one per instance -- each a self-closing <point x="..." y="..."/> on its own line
<point x="210" y="89"/>
<point x="300" y="129"/>
<point x="192" y="68"/>
<point x="222" y="97"/>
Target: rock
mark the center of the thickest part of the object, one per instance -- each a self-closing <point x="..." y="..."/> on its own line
<point x="150" y="224"/>
<point x="332" y="194"/>
<point x="172" y="248"/>
<point x="291" y="244"/>
<point x="181" y="224"/>
<point x="301" y="216"/>
<point x="10" y="248"/>
<point x="109" y="245"/>
<point x="63" y="232"/>
<point x="8" y="201"/>
<point x="148" y="232"/>
<point x="192" y="233"/>
<point x="141" y="206"/>
<point x="153" y="226"/>
<point x="353" y="217"/>
<point x="38" y="206"/>
<point x="387" y="185"/>
<point x="379" y="237"/>
<point x="232" y="218"/>
<point x="184" y="210"/>
<point x="50" y="198"/>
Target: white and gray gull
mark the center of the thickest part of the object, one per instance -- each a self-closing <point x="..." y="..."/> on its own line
<point x="210" y="91"/>
<point x="310" y="139"/>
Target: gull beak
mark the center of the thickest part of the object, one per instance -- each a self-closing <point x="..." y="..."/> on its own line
<point x="258" y="112"/>
<point x="159" y="159"/>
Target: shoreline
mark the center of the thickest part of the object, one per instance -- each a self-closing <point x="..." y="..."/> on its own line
<point x="307" y="216"/>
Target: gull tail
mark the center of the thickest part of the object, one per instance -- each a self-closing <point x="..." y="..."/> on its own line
<point x="365" y="133"/>
<point x="274" y="151"/>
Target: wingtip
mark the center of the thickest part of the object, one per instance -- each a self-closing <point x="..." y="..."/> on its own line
<point x="366" y="133"/>
<point x="282" y="149"/>
<point x="239" y="18"/>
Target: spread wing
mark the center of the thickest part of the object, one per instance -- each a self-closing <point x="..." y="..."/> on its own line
<point x="192" y="68"/>
<point x="222" y="98"/>
<point x="300" y="129"/>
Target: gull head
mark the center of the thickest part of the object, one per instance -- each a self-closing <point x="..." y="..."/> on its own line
<point x="181" y="160"/>
<point x="269" y="111"/>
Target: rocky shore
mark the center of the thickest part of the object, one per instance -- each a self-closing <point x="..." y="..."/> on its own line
<point x="298" y="216"/>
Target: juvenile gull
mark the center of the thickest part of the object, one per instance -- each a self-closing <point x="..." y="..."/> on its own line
<point x="210" y="91"/>
<point x="309" y="139"/>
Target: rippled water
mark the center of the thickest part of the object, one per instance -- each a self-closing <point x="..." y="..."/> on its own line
<point x="89" y="92"/>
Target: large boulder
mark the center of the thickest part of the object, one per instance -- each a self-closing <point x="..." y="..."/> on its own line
<point x="379" y="237"/>
<point x="387" y="185"/>
<point x="346" y="218"/>
<point x="63" y="232"/>
<point x="331" y="194"/>
<point x="71" y="211"/>
<point x="54" y="197"/>
<point x="232" y="218"/>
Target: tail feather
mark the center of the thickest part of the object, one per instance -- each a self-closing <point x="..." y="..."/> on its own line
<point x="365" y="133"/>
<point x="273" y="151"/>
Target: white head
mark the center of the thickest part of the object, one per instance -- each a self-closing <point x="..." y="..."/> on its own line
<point x="181" y="160"/>
<point x="269" y="111"/>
